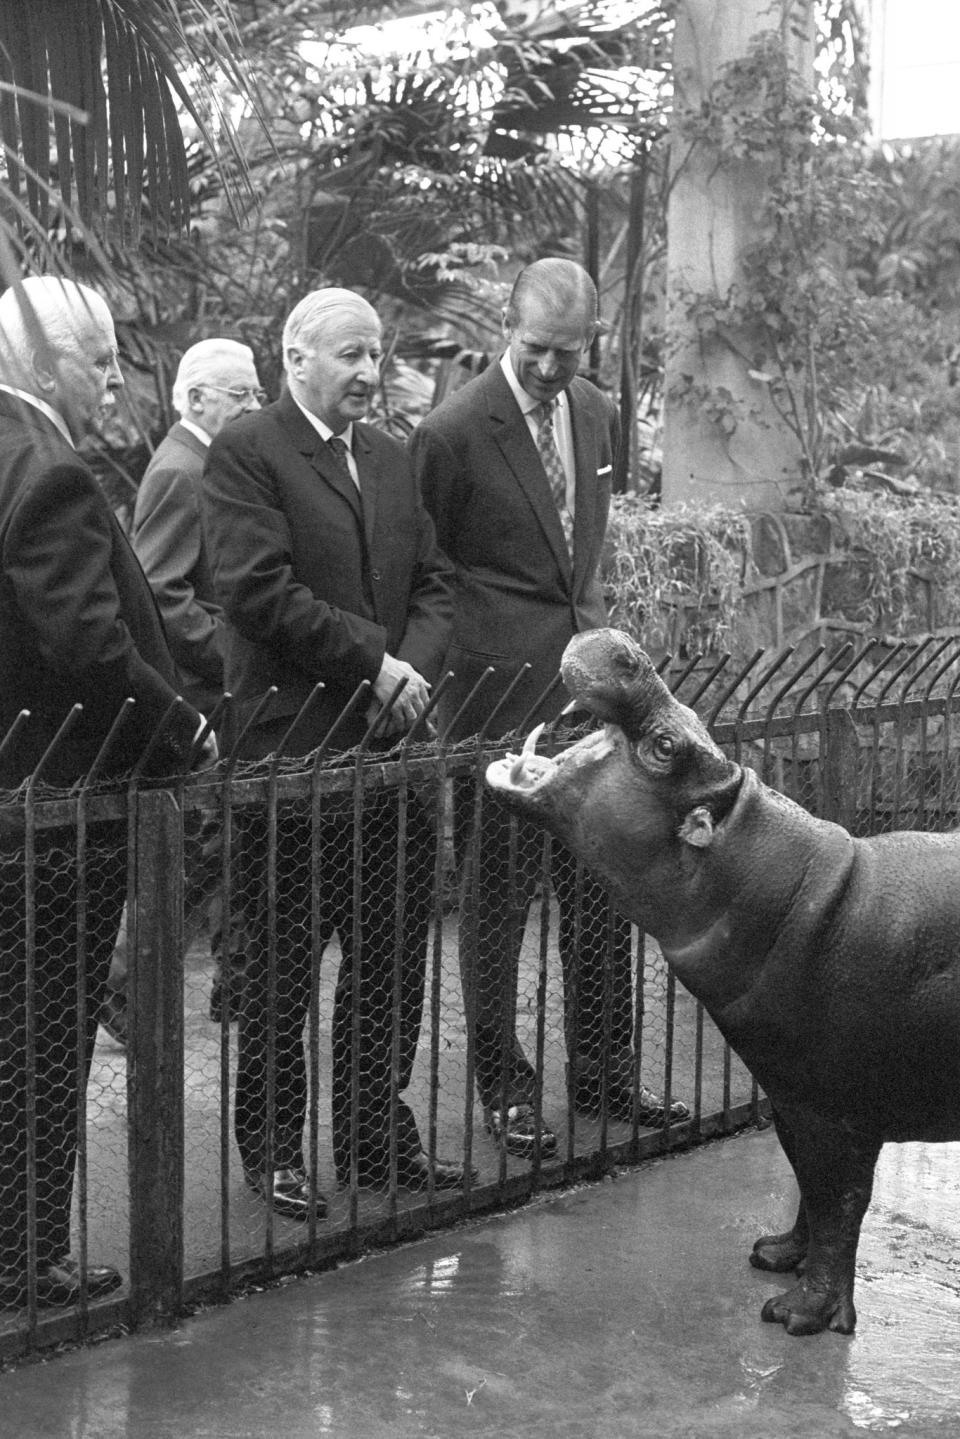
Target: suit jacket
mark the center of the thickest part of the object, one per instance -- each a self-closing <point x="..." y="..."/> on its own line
<point x="78" y="621"/>
<point x="316" y="583"/>
<point x="167" y="535"/>
<point x="517" y="598"/>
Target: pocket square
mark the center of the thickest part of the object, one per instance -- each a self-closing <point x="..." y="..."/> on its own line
<point x="604" y="470"/>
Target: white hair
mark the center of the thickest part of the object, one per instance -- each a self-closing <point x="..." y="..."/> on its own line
<point x="309" y="318"/>
<point x="43" y="314"/>
<point x="203" y="363"/>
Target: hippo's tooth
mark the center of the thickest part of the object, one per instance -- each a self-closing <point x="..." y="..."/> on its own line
<point x="518" y="762"/>
<point x="530" y="743"/>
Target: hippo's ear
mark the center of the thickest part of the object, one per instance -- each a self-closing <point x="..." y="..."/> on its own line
<point x="697" y="827"/>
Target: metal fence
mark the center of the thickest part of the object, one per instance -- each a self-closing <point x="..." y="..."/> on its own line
<point x="243" y="863"/>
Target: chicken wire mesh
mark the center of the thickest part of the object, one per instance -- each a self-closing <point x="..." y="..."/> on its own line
<point x="306" y="941"/>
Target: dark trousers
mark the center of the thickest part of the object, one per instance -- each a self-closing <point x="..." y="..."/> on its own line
<point x="319" y="878"/>
<point x="60" y="1063"/>
<point x="594" y="943"/>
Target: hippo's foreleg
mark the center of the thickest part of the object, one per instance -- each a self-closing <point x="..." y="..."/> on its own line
<point x="834" y="1168"/>
<point x="780" y="1253"/>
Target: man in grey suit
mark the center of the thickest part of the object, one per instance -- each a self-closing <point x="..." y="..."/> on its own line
<point x="215" y="382"/>
<point x="515" y="468"/>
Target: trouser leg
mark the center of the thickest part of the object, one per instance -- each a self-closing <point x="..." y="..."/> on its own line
<point x="597" y="958"/>
<point x="498" y="876"/>
<point x="271" y="1083"/>
<point x="382" y="974"/>
<point x="60" y="1062"/>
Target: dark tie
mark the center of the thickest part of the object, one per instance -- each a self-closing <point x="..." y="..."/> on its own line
<point x="553" y="465"/>
<point x="339" y="447"/>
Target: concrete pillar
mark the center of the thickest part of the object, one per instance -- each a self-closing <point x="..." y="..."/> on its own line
<point x="745" y="455"/>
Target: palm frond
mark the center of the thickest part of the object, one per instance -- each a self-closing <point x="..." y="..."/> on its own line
<point x="92" y="96"/>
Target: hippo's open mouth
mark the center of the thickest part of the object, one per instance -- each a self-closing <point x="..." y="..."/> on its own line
<point x="527" y="772"/>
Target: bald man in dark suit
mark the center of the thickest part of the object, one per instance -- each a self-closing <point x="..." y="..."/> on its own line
<point x="78" y="625"/>
<point x="515" y="468"/>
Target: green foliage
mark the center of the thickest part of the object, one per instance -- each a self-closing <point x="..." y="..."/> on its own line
<point x="894" y="538"/>
<point x="422" y="180"/>
<point x="91" y="98"/>
<point x="674" y="578"/>
<point x="845" y="295"/>
<point x="680" y="580"/>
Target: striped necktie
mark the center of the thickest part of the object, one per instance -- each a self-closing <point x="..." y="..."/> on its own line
<point x="553" y="465"/>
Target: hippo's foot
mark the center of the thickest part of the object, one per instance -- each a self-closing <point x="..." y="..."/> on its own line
<point x="805" y="1310"/>
<point x="779" y="1252"/>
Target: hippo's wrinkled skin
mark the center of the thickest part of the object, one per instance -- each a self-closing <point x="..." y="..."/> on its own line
<point x="831" y="964"/>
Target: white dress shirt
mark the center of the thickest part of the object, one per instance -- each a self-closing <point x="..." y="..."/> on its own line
<point x="562" y="425"/>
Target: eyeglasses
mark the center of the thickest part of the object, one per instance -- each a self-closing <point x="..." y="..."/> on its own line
<point x="243" y="394"/>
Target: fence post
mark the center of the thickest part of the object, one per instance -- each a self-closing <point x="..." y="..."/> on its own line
<point x="155" y="1063"/>
<point x="839" y="767"/>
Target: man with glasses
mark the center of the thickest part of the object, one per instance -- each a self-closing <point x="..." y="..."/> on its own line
<point x="215" y="382"/>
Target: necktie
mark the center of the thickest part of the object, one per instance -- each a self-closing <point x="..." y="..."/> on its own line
<point x="553" y="465"/>
<point x="339" y="447"/>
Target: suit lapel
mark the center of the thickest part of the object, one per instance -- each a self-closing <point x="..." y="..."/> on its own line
<point x="316" y="452"/>
<point x="188" y="440"/>
<point x="586" y="448"/>
<point x="512" y="434"/>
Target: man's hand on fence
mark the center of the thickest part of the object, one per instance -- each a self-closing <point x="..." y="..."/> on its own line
<point x="409" y="704"/>
<point x="209" y="752"/>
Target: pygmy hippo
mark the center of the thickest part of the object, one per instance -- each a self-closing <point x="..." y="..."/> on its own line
<point x="830" y="964"/>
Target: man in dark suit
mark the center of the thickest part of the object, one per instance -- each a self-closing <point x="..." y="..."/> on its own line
<point x="78" y="624"/>
<point x="515" y="468"/>
<point x="327" y="567"/>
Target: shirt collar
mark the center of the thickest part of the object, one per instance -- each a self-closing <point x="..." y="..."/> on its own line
<point x="323" y="429"/>
<point x="196" y="430"/>
<point x="526" y="402"/>
<point x="53" y="415"/>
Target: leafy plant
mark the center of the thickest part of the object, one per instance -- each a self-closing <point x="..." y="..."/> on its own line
<point x="796" y="318"/>
<point x="674" y="577"/>
<point x="91" y="99"/>
<point x="681" y="579"/>
<point x="896" y="538"/>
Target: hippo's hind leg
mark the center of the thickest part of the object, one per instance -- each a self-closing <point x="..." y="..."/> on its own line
<point x="834" y="1168"/>
<point x="780" y="1253"/>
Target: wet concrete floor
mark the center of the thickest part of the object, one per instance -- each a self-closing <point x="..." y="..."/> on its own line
<point x="616" y="1310"/>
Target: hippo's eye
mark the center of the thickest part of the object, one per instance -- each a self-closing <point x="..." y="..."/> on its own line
<point x="663" y="747"/>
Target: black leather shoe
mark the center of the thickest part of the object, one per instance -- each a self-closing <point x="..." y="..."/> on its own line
<point x="113" y="1016"/>
<point x="413" y="1172"/>
<point x="517" y="1126"/>
<point x="287" y="1191"/>
<point x="58" y="1285"/>
<point x="650" y="1111"/>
